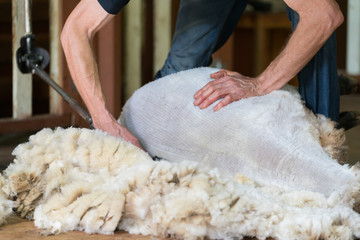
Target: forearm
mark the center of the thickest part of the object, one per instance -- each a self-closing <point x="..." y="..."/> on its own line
<point x="76" y="39"/>
<point x="84" y="71"/>
<point x="311" y="33"/>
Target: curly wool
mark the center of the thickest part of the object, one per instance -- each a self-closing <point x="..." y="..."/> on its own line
<point x="6" y="204"/>
<point x="80" y="179"/>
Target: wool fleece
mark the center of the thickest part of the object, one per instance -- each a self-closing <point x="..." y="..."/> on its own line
<point x="81" y="179"/>
<point x="272" y="139"/>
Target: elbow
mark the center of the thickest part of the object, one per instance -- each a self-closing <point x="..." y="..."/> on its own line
<point x="337" y="19"/>
<point x="332" y="19"/>
<point x="64" y="37"/>
<point x="74" y="33"/>
<point x="67" y="34"/>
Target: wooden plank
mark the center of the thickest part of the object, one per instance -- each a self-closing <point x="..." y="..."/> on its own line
<point x="147" y="54"/>
<point x="34" y="123"/>
<point x="353" y="38"/>
<point x="276" y="20"/>
<point x="55" y="9"/>
<point x="22" y="83"/>
<point x="272" y="20"/>
<point x="224" y="57"/>
<point x="109" y="62"/>
<point x="247" y="20"/>
<point x="18" y="228"/>
<point x="162" y="32"/>
<point x="261" y="45"/>
<point x="133" y="36"/>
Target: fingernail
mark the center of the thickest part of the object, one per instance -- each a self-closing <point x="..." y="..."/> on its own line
<point x="216" y="108"/>
<point x="196" y="102"/>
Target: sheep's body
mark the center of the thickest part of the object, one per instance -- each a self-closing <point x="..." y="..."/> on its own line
<point x="87" y="180"/>
<point x="79" y="179"/>
<point x="272" y="139"/>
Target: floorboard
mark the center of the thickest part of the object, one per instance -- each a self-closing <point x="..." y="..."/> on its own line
<point x="22" y="229"/>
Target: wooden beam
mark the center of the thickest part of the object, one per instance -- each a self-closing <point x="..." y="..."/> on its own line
<point x="109" y="62"/>
<point x="55" y="10"/>
<point x="133" y="36"/>
<point x="162" y="32"/>
<point x="353" y="38"/>
<point x="22" y="83"/>
<point x="224" y="57"/>
<point x="34" y="123"/>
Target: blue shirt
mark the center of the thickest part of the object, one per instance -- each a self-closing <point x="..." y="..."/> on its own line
<point x="113" y="6"/>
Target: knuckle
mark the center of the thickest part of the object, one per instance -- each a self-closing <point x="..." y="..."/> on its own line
<point x="217" y="93"/>
<point x="212" y="88"/>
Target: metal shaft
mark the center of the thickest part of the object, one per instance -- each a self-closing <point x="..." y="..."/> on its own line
<point x="72" y="102"/>
<point x="28" y="19"/>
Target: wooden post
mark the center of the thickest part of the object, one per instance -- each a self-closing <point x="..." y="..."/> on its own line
<point x="162" y="32"/>
<point x="133" y="36"/>
<point x="261" y="45"/>
<point x="55" y="10"/>
<point x="353" y="38"/>
<point x="22" y="83"/>
<point x="109" y="61"/>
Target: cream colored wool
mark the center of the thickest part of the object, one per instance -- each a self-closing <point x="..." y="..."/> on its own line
<point x="97" y="183"/>
<point x="5" y="203"/>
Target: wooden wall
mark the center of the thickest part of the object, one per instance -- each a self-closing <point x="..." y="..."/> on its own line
<point x="41" y="27"/>
<point x="5" y="59"/>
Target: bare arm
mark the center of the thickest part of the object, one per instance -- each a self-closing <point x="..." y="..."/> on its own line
<point x="76" y="38"/>
<point x="318" y="20"/>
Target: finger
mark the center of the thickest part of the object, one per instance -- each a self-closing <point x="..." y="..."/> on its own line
<point x="219" y="74"/>
<point x="220" y="92"/>
<point x="209" y="87"/>
<point x="203" y="92"/>
<point x="136" y="143"/>
<point x="226" y="100"/>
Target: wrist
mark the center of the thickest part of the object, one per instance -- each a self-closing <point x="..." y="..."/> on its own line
<point x="102" y="118"/>
<point x="269" y="81"/>
<point x="260" y="85"/>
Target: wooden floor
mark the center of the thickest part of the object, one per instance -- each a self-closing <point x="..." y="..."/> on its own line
<point x="21" y="229"/>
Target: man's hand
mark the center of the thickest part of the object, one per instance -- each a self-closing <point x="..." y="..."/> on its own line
<point x="115" y="129"/>
<point x="231" y="86"/>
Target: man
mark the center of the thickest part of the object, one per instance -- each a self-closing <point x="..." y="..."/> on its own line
<point x="203" y="26"/>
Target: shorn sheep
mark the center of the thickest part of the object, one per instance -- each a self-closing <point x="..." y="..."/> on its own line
<point x="263" y="167"/>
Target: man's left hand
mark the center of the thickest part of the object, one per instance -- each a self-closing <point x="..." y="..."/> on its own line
<point x="231" y="86"/>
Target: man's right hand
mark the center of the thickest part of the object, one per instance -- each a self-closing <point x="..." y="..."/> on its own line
<point x="115" y="129"/>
